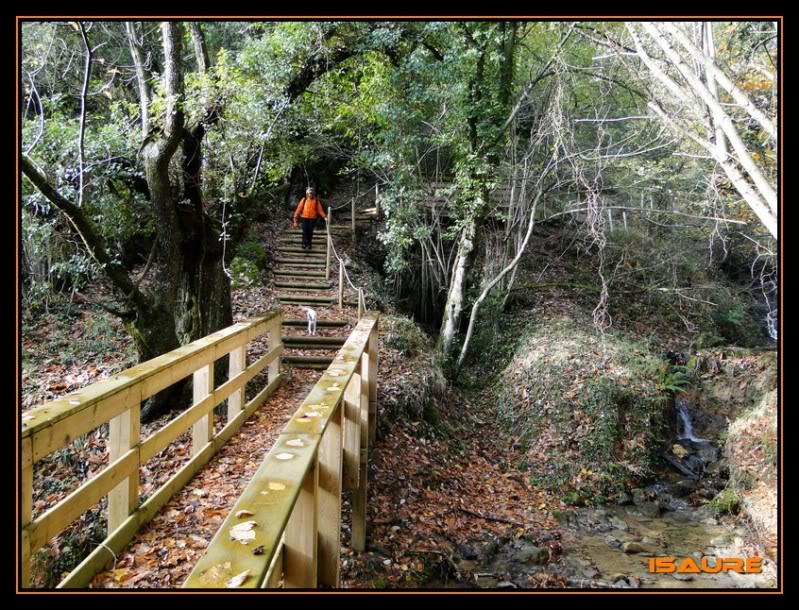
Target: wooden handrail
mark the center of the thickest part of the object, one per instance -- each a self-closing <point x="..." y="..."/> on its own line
<point x="295" y="496"/>
<point x="117" y="401"/>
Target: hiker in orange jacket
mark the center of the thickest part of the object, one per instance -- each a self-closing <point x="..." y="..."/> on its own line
<point x="308" y="210"/>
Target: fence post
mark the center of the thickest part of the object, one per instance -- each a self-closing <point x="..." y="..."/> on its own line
<point x="352" y="431"/>
<point x="361" y="304"/>
<point x="329" y="502"/>
<point x="299" y="567"/>
<point x="353" y="221"/>
<point x="203" y="430"/>
<point x="359" y="494"/>
<point x="340" y="284"/>
<point x="377" y="201"/>
<point x="237" y="364"/>
<point x="27" y="508"/>
<point x="123" y="435"/>
<point x="327" y="259"/>
<point x="372" y="349"/>
<point x="274" y="341"/>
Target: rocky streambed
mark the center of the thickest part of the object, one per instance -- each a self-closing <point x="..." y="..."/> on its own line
<point x="684" y="514"/>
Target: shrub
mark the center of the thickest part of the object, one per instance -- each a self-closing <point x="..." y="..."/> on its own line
<point x="245" y="273"/>
<point x="254" y="252"/>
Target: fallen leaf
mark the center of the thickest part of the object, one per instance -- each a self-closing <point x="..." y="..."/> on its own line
<point x="237" y="580"/>
<point x="243" y="532"/>
<point x="276" y="486"/>
<point x="259" y="550"/>
<point x="244" y="513"/>
<point x="284" y="456"/>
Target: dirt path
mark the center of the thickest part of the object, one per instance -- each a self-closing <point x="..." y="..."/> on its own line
<point x="444" y="499"/>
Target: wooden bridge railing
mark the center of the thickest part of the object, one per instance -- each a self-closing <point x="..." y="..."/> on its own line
<point x="117" y="400"/>
<point x="288" y="520"/>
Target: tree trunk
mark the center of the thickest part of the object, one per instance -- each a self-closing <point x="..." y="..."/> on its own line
<point x="453" y="310"/>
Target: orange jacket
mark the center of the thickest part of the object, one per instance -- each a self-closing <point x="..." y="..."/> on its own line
<point x="309" y="207"/>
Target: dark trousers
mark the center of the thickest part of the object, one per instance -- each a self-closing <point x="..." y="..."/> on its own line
<point x="308" y="225"/>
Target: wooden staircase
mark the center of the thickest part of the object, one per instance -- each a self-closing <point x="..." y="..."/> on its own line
<point x="301" y="278"/>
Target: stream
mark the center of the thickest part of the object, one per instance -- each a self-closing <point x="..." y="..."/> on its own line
<point x="610" y="547"/>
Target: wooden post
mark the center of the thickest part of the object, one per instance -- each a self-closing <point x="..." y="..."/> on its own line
<point x="352" y="432"/>
<point x="624" y="218"/>
<point x="327" y="259"/>
<point x="359" y="495"/>
<point x="361" y="304"/>
<point x="353" y="220"/>
<point x="377" y="201"/>
<point x="237" y="364"/>
<point x="371" y="376"/>
<point x="274" y="341"/>
<point x="329" y="519"/>
<point x="123" y="435"/>
<point x="299" y="558"/>
<point x="27" y="508"/>
<point x="610" y="219"/>
<point x="203" y="431"/>
<point x="340" y="284"/>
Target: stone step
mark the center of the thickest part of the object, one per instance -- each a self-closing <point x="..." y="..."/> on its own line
<point x="296" y="256"/>
<point x="313" y="346"/>
<point x="334" y="228"/>
<point x="303" y="286"/>
<point x="319" y="323"/>
<point x="308" y="340"/>
<point x="308" y="362"/>
<point x="298" y="250"/>
<point x="297" y="262"/>
<point x="298" y="273"/>
<point x="301" y="299"/>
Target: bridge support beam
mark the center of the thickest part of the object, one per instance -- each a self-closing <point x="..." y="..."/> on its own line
<point x="329" y="519"/>
<point x="300" y="549"/>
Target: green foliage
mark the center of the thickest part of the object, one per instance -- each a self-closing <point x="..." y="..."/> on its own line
<point x="725" y="503"/>
<point x="245" y="273"/>
<point x="594" y="407"/>
<point x="254" y="252"/>
<point x="405" y="336"/>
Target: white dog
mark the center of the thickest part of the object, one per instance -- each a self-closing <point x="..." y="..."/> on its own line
<point x="311" y="320"/>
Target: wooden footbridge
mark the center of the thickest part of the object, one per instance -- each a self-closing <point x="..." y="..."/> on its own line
<point x="285" y="528"/>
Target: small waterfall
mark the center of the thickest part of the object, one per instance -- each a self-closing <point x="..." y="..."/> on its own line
<point x="686" y="429"/>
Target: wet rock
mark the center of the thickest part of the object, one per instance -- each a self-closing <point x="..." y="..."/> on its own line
<point x="486" y="582"/>
<point x="721" y="540"/>
<point x="529" y="553"/>
<point x="649" y="509"/>
<point x="684" y="577"/>
<point x="634" y="548"/>
<point x="488" y="551"/>
<point x="466" y="565"/>
<point x="624" y="499"/>
<point x="706" y="493"/>
<point x="613" y="543"/>
<point x="469" y="551"/>
<point x="619" y="524"/>
<point x="640" y="497"/>
<point x="506" y="584"/>
<point x="682" y="516"/>
<point x="707" y="453"/>
<point x="682" y="488"/>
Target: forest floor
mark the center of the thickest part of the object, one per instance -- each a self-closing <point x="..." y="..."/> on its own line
<point x="449" y="488"/>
